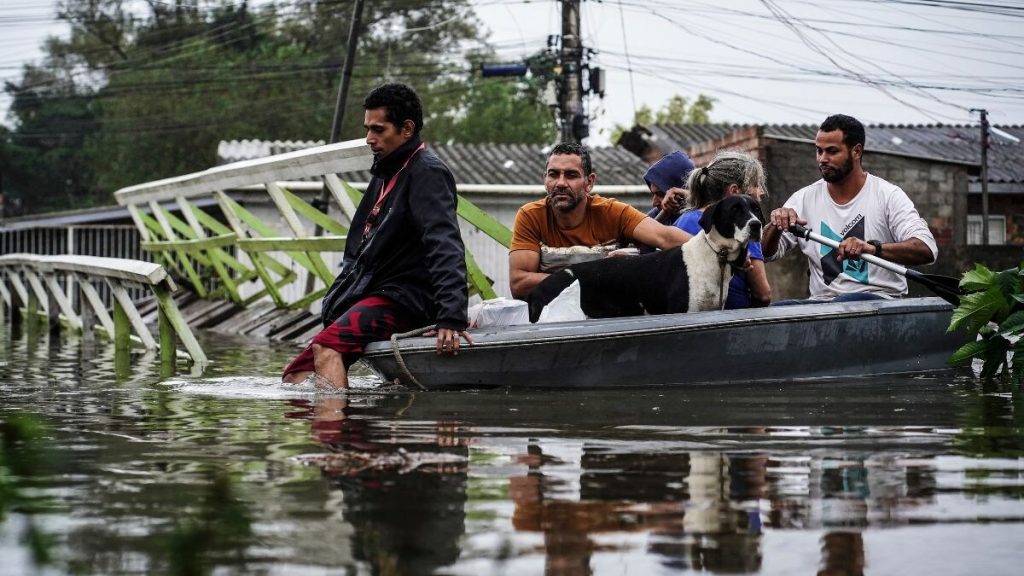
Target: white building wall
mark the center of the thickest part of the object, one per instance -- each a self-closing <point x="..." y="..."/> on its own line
<point x="490" y="255"/>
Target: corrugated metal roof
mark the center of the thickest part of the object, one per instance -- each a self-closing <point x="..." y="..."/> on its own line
<point x="235" y="150"/>
<point x="684" y="136"/>
<point x="945" y="143"/>
<point x="478" y="163"/>
<point x="90" y="216"/>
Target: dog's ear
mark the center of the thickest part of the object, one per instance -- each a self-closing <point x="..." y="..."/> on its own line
<point x="707" y="219"/>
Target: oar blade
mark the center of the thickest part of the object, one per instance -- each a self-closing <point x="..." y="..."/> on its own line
<point x="945" y="287"/>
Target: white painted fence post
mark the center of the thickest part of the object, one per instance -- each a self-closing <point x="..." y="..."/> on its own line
<point x="126" y="324"/>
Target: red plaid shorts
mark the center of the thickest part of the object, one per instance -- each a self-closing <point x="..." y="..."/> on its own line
<point x="371" y="319"/>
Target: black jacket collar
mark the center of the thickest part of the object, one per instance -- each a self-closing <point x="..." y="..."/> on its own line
<point x="387" y="166"/>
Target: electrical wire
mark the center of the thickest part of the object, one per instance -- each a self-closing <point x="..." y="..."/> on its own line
<point x="786" y="21"/>
<point x="629" y="64"/>
<point x="771" y="60"/>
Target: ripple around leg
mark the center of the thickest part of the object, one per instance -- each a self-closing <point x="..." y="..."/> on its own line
<point x="269" y="387"/>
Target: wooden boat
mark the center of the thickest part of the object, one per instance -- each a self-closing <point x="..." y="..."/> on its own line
<point x="773" y="344"/>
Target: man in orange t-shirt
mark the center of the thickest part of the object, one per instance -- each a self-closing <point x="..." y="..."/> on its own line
<point x="571" y="216"/>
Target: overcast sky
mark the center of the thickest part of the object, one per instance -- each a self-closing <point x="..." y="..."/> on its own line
<point x="764" y="61"/>
<point x="793" y="61"/>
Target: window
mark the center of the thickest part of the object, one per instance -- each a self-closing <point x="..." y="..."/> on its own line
<point x="996" y="229"/>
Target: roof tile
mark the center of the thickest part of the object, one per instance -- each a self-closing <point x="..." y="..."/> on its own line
<point x="942" y="142"/>
<point x="473" y="163"/>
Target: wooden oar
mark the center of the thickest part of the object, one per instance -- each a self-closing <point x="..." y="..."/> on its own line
<point x="945" y="287"/>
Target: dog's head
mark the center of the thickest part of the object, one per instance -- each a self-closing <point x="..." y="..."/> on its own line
<point x="736" y="218"/>
<point x="730" y="224"/>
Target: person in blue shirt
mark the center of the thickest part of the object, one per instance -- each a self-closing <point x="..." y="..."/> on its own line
<point x="731" y="173"/>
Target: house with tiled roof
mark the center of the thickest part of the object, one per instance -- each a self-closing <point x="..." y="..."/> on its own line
<point x="474" y="164"/>
<point x="937" y="142"/>
<point x="939" y="166"/>
<point x="497" y="178"/>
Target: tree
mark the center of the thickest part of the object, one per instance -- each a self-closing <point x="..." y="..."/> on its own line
<point x="491" y="110"/>
<point x="136" y="93"/>
<point x="44" y="164"/>
<point x="677" y="110"/>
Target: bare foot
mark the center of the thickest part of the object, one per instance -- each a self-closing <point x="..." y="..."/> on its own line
<point x="295" y="377"/>
<point x="324" y="384"/>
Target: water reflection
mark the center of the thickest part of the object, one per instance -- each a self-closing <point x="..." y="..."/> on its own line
<point x="695" y="516"/>
<point x="842" y="554"/>
<point x="404" y="494"/>
<point x="899" y="475"/>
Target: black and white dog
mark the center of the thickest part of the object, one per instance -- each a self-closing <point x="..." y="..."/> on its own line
<point x="690" y="278"/>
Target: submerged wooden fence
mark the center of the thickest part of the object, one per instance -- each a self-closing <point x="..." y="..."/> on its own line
<point x="251" y="258"/>
<point x="66" y="291"/>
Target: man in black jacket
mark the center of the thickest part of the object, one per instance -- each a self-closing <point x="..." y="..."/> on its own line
<point x="404" y="265"/>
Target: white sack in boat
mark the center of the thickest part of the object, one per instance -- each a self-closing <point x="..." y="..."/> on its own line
<point x="565" y="307"/>
<point x="498" y="312"/>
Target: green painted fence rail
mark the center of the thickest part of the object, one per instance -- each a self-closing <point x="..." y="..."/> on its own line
<point x="31" y="290"/>
<point x="244" y="258"/>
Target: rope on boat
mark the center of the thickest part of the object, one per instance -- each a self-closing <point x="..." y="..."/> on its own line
<point x="398" y="354"/>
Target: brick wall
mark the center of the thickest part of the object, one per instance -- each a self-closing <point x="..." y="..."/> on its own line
<point x="1009" y="205"/>
<point x="748" y="139"/>
<point x="790" y="166"/>
<point x="939" y="191"/>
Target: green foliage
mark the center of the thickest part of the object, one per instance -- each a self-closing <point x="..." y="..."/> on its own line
<point x="22" y="457"/>
<point x="978" y="279"/>
<point x="678" y="110"/>
<point x="222" y="524"/>
<point x="44" y="165"/>
<point x="140" y="91"/>
<point x="978" y="309"/>
<point x="493" y="110"/>
<point x="992" y="312"/>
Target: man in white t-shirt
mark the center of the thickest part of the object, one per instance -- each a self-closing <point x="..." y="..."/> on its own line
<point x="864" y="213"/>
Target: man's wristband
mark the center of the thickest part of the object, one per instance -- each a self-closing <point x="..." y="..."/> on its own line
<point x="878" y="247"/>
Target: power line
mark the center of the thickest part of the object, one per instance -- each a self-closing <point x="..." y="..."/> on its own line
<point x="629" y="65"/>
<point x="785" y="19"/>
<point x="779" y="63"/>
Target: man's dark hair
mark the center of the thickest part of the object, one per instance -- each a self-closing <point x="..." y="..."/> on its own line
<point x="853" y="130"/>
<point x="401" y="103"/>
<point x="574" y="149"/>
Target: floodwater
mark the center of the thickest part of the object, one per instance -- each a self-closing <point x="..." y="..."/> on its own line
<point x="233" y="473"/>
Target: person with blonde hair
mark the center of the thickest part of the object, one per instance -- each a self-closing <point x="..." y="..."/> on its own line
<point x="731" y="173"/>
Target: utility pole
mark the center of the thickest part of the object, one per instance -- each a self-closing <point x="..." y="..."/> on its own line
<point x="346" y="71"/>
<point x="568" y="60"/>
<point x="984" y="174"/>
<point x="322" y="202"/>
<point x="570" y="103"/>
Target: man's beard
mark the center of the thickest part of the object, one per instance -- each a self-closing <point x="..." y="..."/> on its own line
<point x="564" y="205"/>
<point x="837" y="174"/>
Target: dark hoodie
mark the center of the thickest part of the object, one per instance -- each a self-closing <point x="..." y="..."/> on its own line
<point x="670" y="172"/>
<point x="414" y="253"/>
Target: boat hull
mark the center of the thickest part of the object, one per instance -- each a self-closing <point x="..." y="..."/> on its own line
<point x="762" y="344"/>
